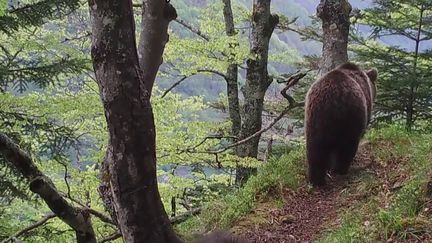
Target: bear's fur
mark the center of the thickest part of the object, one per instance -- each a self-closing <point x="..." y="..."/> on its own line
<point x="337" y="111"/>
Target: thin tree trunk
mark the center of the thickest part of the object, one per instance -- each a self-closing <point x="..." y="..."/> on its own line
<point x="414" y="84"/>
<point x="131" y="155"/>
<point x="257" y="82"/>
<point x="334" y="15"/>
<point x="232" y="73"/>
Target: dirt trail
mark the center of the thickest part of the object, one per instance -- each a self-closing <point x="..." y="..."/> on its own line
<point x="307" y="213"/>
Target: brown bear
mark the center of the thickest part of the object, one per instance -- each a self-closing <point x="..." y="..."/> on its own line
<point x="337" y="111"/>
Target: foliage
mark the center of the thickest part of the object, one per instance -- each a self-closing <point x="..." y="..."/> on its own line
<point x="405" y="77"/>
<point x="188" y="55"/>
<point x="22" y="14"/>
<point x="3" y="7"/>
<point x="185" y="174"/>
<point x="49" y="103"/>
<point x="191" y="55"/>
<point x="31" y="58"/>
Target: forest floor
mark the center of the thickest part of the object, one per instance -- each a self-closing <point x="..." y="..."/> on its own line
<point x="309" y="215"/>
<point x="386" y="197"/>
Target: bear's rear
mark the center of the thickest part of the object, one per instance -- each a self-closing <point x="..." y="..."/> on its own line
<point x="336" y="115"/>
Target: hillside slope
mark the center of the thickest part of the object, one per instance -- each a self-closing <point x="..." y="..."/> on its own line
<point x="385" y="197"/>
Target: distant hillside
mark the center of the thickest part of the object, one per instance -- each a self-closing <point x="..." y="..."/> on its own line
<point x="190" y="10"/>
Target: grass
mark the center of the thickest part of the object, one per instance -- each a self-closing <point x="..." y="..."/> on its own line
<point x="280" y="172"/>
<point x="391" y="204"/>
<point x="394" y="216"/>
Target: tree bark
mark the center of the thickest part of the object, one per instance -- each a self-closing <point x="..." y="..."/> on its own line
<point x="334" y="15"/>
<point x="410" y="119"/>
<point x="156" y="16"/>
<point x="232" y="72"/>
<point x="77" y="219"/>
<point x="125" y="92"/>
<point x="257" y="82"/>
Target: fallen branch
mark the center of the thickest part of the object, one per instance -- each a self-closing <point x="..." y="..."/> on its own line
<point x="41" y="222"/>
<point x="40" y="184"/>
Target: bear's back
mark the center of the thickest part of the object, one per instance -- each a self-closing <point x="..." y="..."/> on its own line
<point x="336" y="98"/>
<point x="353" y="71"/>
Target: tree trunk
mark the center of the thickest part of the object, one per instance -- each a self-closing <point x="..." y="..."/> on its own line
<point x="131" y="155"/>
<point x="233" y="99"/>
<point x="414" y="84"/>
<point x="156" y="16"/>
<point x="257" y="82"/>
<point x="334" y="15"/>
<point x="232" y="73"/>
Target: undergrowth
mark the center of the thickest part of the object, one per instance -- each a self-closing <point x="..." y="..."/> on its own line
<point x="391" y="213"/>
<point x="280" y="172"/>
<point x="382" y="207"/>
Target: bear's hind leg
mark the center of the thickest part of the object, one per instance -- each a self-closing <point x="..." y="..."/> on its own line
<point x="318" y="159"/>
<point x="344" y="156"/>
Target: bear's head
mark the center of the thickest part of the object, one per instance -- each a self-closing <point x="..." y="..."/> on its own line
<point x="372" y="74"/>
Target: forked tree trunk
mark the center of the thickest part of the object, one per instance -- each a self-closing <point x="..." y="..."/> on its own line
<point x="334" y="15"/>
<point x="257" y="82"/>
<point x="131" y="156"/>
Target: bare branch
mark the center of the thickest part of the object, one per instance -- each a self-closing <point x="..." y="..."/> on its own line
<point x="175" y="85"/>
<point x="186" y="77"/>
<point x="280" y="116"/>
<point x="293" y="80"/>
<point x="100" y="215"/>
<point x="41" y="222"/>
<point x="207" y="138"/>
<point x="80" y="37"/>
<point x="212" y="71"/>
<point x="192" y="29"/>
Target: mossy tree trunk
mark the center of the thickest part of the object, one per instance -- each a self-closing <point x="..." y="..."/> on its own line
<point x="231" y="75"/>
<point x="257" y="83"/>
<point x="334" y="15"/>
<point x="125" y="90"/>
